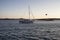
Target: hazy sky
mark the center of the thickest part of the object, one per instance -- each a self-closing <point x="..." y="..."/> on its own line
<point x="19" y="8"/>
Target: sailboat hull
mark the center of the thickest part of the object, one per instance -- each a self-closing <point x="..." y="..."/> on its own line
<point x="26" y="21"/>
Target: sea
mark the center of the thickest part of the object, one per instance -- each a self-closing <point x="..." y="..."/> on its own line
<point x="39" y="30"/>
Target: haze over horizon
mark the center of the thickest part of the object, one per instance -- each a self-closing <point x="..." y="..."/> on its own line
<point x="19" y="8"/>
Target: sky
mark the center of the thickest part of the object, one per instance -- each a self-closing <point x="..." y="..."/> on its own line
<point x="38" y="8"/>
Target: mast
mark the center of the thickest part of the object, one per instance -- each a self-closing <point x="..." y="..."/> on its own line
<point x="29" y="11"/>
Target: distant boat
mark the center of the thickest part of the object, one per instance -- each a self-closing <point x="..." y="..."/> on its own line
<point x="26" y="21"/>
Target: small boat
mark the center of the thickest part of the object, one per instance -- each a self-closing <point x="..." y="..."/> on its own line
<point x="26" y="21"/>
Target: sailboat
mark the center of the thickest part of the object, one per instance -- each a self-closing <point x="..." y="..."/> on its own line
<point x="26" y="21"/>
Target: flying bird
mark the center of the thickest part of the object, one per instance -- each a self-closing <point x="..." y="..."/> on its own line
<point x="46" y="14"/>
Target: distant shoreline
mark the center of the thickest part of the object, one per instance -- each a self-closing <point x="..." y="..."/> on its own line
<point x="45" y="19"/>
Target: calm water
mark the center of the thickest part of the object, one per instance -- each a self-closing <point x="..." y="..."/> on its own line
<point x="39" y="30"/>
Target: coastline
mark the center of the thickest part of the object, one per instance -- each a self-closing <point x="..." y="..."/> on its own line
<point x="43" y="19"/>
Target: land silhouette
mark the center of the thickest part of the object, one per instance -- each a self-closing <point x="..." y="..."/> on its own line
<point x="43" y="19"/>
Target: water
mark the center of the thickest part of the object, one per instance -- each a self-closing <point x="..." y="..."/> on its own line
<point x="39" y="30"/>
